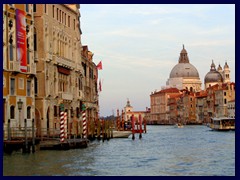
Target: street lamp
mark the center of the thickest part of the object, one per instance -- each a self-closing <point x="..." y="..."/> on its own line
<point x="20" y="104"/>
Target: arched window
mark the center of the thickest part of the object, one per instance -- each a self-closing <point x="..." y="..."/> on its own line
<point x="77" y="112"/>
<point x="12" y="112"/>
<point x="28" y="112"/>
<point x="35" y="86"/>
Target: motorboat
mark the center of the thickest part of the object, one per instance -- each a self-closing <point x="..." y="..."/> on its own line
<point x="222" y="123"/>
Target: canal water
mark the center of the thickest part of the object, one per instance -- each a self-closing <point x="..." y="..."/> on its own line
<point x="162" y="151"/>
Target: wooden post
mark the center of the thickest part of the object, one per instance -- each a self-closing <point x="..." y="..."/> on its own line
<point x="98" y="129"/>
<point x="103" y="130"/>
<point x="111" y="129"/>
<point x="122" y="122"/>
<point x="9" y="131"/>
<point x="145" y="125"/>
<point x="107" y="129"/>
<point x="26" y="140"/>
<point x="140" y="124"/>
<point x="33" y="137"/>
<point x="133" y="127"/>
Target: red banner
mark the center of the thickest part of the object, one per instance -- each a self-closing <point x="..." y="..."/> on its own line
<point x="21" y="39"/>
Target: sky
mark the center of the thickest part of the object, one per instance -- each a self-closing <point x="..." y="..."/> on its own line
<point x="139" y="44"/>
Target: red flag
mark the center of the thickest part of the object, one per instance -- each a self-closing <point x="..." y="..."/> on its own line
<point x="99" y="66"/>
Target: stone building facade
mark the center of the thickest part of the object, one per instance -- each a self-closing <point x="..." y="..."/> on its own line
<point x="66" y="74"/>
<point x="19" y="67"/>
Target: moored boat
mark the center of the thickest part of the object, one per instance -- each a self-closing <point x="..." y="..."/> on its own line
<point x="222" y="124"/>
<point x="121" y="134"/>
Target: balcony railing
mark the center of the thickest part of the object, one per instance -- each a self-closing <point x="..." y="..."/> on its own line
<point x="14" y="66"/>
<point x="63" y="61"/>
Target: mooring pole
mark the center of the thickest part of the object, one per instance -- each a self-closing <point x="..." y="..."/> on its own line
<point x="133" y="127"/>
<point x="26" y="140"/>
<point x="145" y="124"/>
<point x="9" y="131"/>
<point x="33" y="137"/>
<point x="140" y="127"/>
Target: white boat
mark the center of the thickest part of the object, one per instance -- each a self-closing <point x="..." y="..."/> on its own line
<point x="121" y="134"/>
<point x="179" y="125"/>
<point x="222" y="124"/>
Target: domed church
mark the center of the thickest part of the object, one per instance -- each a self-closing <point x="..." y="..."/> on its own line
<point x="184" y="75"/>
<point x="215" y="76"/>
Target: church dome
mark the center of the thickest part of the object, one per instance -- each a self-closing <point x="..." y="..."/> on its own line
<point x="213" y="75"/>
<point x="184" y="68"/>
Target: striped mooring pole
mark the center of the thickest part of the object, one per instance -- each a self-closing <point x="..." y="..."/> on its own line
<point x="62" y="138"/>
<point x="84" y="121"/>
<point x="65" y="125"/>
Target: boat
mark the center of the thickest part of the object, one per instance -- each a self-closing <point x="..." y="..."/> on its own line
<point x="222" y="123"/>
<point x="179" y="125"/>
<point x="121" y="134"/>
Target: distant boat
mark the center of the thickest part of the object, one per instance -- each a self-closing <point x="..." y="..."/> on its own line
<point x="121" y="134"/>
<point x="179" y="125"/>
<point x="222" y="124"/>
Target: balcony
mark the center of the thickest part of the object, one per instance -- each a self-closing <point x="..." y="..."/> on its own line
<point x="63" y="62"/>
<point x="14" y="66"/>
<point x="65" y="96"/>
<point x="31" y="69"/>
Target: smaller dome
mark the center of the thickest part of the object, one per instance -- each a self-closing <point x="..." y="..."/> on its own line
<point x="213" y="76"/>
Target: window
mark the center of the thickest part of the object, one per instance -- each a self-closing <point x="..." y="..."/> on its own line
<point x="35" y="41"/>
<point x="45" y="8"/>
<point x="74" y="25"/>
<point x="53" y="8"/>
<point x="68" y="21"/>
<point x="12" y="86"/>
<point x="28" y="112"/>
<point x="34" y="8"/>
<point x="72" y="113"/>
<point x="80" y="83"/>
<point x="28" y="57"/>
<point x="225" y="93"/>
<point x="35" y="86"/>
<point x="28" y="87"/>
<point x="27" y="8"/>
<point x="65" y="20"/>
<point x="57" y="13"/>
<point x="55" y="111"/>
<point x="60" y="15"/>
<point x="11" y="52"/>
<point x="225" y="101"/>
<point x="12" y="112"/>
<point x="78" y="112"/>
